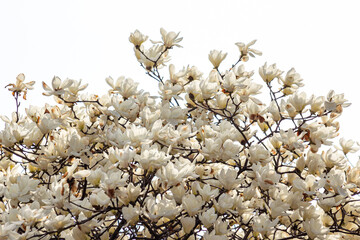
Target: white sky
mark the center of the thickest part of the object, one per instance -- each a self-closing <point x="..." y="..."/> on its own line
<point x="88" y="40"/>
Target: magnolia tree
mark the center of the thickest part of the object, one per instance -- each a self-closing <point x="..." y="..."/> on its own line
<point x="206" y="159"/>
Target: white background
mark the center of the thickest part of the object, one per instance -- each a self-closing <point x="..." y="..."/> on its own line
<point x="88" y="40"/>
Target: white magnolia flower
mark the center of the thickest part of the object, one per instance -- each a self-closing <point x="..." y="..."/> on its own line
<point x="221" y="227"/>
<point x="120" y="157"/>
<point x="208" y="217"/>
<point x="207" y="192"/>
<point x="178" y="77"/>
<point x="263" y="225"/>
<point x="75" y="88"/>
<point x="231" y="82"/>
<point x="278" y="208"/>
<point x="172" y="174"/>
<point x="307" y="186"/>
<point x="273" y="109"/>
<point x="290" y="140"/>
<point x="20" y="87"/>
<point x="22" y="188"/>
<point x="334" y="182"/>
<point x="228" y="178"/>
<point x="258" y="154"/>
<point x="138" y="135"/>
<point x="241" y="73"/>
<point x="348" y="146"/>
<point x="299" y="101"/>
<point x="353" y="176"/>
<point x="152" y="158"/>
<point x="334" y="158"/>
<point x="192" y="204"/>
<point x="172" y="115"/>
<point x="326" y="202"/>
<point x="292" y="79"/>
<point x="268" y="73"/>
<point x="290" y="109"/>
<point x="211" y="148"/>
<point x="210" y="85"/>
<point x="99" y="198"/>
<point x="216" y="57"/>
<point x="46" y="123"/>
<point x="170" y="90"/>
<point x="137" y="38"/>
<point x="314" y="163"/>
<point x="317" y="105"/>
<point x="12" y="133"/>
<point x="266" y="176"/>
<point x="32" y="214"/>
<point x="188" y="223"/>
<point x="131" y="213"/>
<point x="314" y="228"/>
<point x="161" y="207"/>
<point x="245" y="50"/>
<point x="125" y="86"/>
<point x="112" y="181"/>
<point x="178" y="192"/>
<point x="225" y="203"/>
<point x="58" y="222"/>
<point x="169" y="39"/>
<point x="58" y="87"/>
<point x="213" y="236"/>
<point x="335" y="102"/>
<point x="133" y="192"/>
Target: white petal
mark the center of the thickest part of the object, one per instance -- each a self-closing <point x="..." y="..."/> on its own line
<point x="56" y="82"/>
<point x="82" y="174"/>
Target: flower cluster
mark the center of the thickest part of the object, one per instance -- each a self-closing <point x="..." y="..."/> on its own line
<point x="206" y="159"/>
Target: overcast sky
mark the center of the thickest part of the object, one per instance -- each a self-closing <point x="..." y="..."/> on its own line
<point x="88" y="40"/>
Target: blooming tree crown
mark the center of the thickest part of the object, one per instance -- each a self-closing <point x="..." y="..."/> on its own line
<point x="207" y="158"/>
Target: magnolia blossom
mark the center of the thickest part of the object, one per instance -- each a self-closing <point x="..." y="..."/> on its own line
<point x="299" y="101"/>
<point x="172" y="174"/>
<point x="317" y="104"/>
<point x="292" y="79"/>
<point x="20" y="189"/>
<point x="192" y="204"/>
<point x="225" y="203"/>
<point x="290" y="140"/>
<point x="263" y="225"/>
<point x="258" y="153"/>
<point x="208" y="218"/>
<point x="131" y="213"/>
<point x="20" y="86"/>
<point x="137" y="38"/>
<point x="335" y="102"/>
<point x="231" y="82"/>
<point x="58" y="222"/>
<point x="207" y="192"/>
<point x="188" y="223"/>
<point x="245" y="50"/>
<point x="347" y="146"/>
<point x="169" y="39"/>
<point x="125" y="86"/>
<point x="334" y="159"/>
<point x="314" y="228"/>
<point x="228" y="178"/>
<point x="58" y="87"/>
<point x="269" y="73"/>
<point x="216" y="57"/>
<point x="210" y="85"/>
